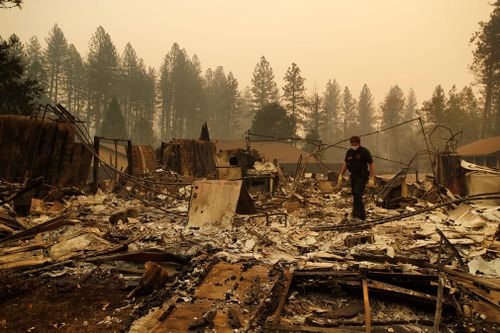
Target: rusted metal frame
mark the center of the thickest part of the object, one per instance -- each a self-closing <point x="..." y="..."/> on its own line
<point x="439" y="304"/>
<point x="284" y="296"/>
<point x="49" y="225"/>
<point x="366" y="303"/>
<point x="453" y="250"/>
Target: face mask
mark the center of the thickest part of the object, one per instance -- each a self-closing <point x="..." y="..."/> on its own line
<point x="354" y="147"/>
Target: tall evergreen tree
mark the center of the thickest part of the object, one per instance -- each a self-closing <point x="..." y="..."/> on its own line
<point x="294" y="93"/>
<point x="245" y="113"/>
<point x="130" y="84"/>
<point x="393" y="107"/>
<point x="264" y="88"/>
<point x="455" y="114"/>
<point x="472" y="127"/>
<point x="35" y="67"/>
<point x="314" y="122"/>
<point x="392" y="113"/>
<point x="330" y="124"/>
<point x="17" y="49"/>
<point x="410" y="111"/>
<point x="181" y="90"/>
<point x="435" y="108"/>
<point x="55" y="57"/>
<point x="365" y="110"/>
<point x="74" y="71"/>
<point x="102" y="73"/>
<point x="350" y="117"/>
<point x="273" y="120"/>
<point x="221" y="93"/>
<point x="486" y="66"/>
<point x="18" y="92"/>
<point x="113" y="124"/>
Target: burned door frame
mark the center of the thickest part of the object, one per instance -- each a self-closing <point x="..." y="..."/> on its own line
<point x="97" y="161"/>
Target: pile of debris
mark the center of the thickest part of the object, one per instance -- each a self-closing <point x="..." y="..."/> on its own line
<point x="246" y="249"/>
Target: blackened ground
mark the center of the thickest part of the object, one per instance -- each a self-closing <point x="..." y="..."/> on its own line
<point x="67" y="304"/>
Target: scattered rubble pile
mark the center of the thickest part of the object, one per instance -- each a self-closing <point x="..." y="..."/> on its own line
<point x="252" y="250"/>
<point x="283" y="268"/>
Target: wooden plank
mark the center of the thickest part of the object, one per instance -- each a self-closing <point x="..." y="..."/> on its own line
<point x="366" y="302"/>
<point x="400" y="290"/>
<point x="439" y="304"/>
<point x="284" y="296"/>
<point x="297" y="328"/>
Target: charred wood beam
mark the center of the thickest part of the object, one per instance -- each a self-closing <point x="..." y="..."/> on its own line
<point x="284" y="296"/>
<point x="290" y="328"/>
<point x="46" y="226"/>
<point x="142" y="257"/>
<point x="366" y="302"/>
<point x="439" y="304"/>
<point x="424" y="264"/>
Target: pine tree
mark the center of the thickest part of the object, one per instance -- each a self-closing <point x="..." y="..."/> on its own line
<point x="392" y="113"/>
<point x="486" y="66"/>
<point x="264" y="88"/>
<point x="350" y="117"/>
<point x="74" y="71"/>
<point x="314" y="123"/>
<point x="55" y="57"/>
<point x="221" y="101"/>
<point x="35" y="63"/>
<point x="393" y="107"/>
<point x="181" y="93"/>
<point x="233" y="100"/>
<point x="18" y="92"/>
<point x="365" y="110"/>
<point x="410" y="111"/>
<point x="454" y="113"/>
<point x="129" y="82"/>
<point x="470" y="104"/>
<point x="435" y="108"/>
<point x="273" y="120"/>
<point x="245" y="113"/>
<point x="331" y="110"/>
<point x="113" y="124"/>
<point x="102" y="73"/>
<point x="294" y="93"/>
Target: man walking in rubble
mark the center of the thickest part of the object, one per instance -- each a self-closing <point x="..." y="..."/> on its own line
<point x="359" y="162"/>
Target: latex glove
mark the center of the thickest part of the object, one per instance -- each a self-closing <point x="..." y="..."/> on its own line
<point x="339" y="180"/>
<point x="371" y="182"/>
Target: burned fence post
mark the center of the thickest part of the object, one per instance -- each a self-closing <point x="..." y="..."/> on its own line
<point x="95" y="172"/>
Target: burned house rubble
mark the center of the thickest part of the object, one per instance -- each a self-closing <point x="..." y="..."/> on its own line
<point x="101" y="235"/>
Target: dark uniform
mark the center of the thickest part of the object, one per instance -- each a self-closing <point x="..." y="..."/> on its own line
<point x="357" y="162"/>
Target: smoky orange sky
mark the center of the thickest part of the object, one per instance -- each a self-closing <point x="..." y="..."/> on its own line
<point x="412" y="43"/>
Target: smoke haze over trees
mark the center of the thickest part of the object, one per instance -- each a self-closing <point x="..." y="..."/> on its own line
<point x="174" y="100"/>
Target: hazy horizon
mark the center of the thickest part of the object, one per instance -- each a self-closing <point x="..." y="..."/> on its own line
<point x="417" y="44"/>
